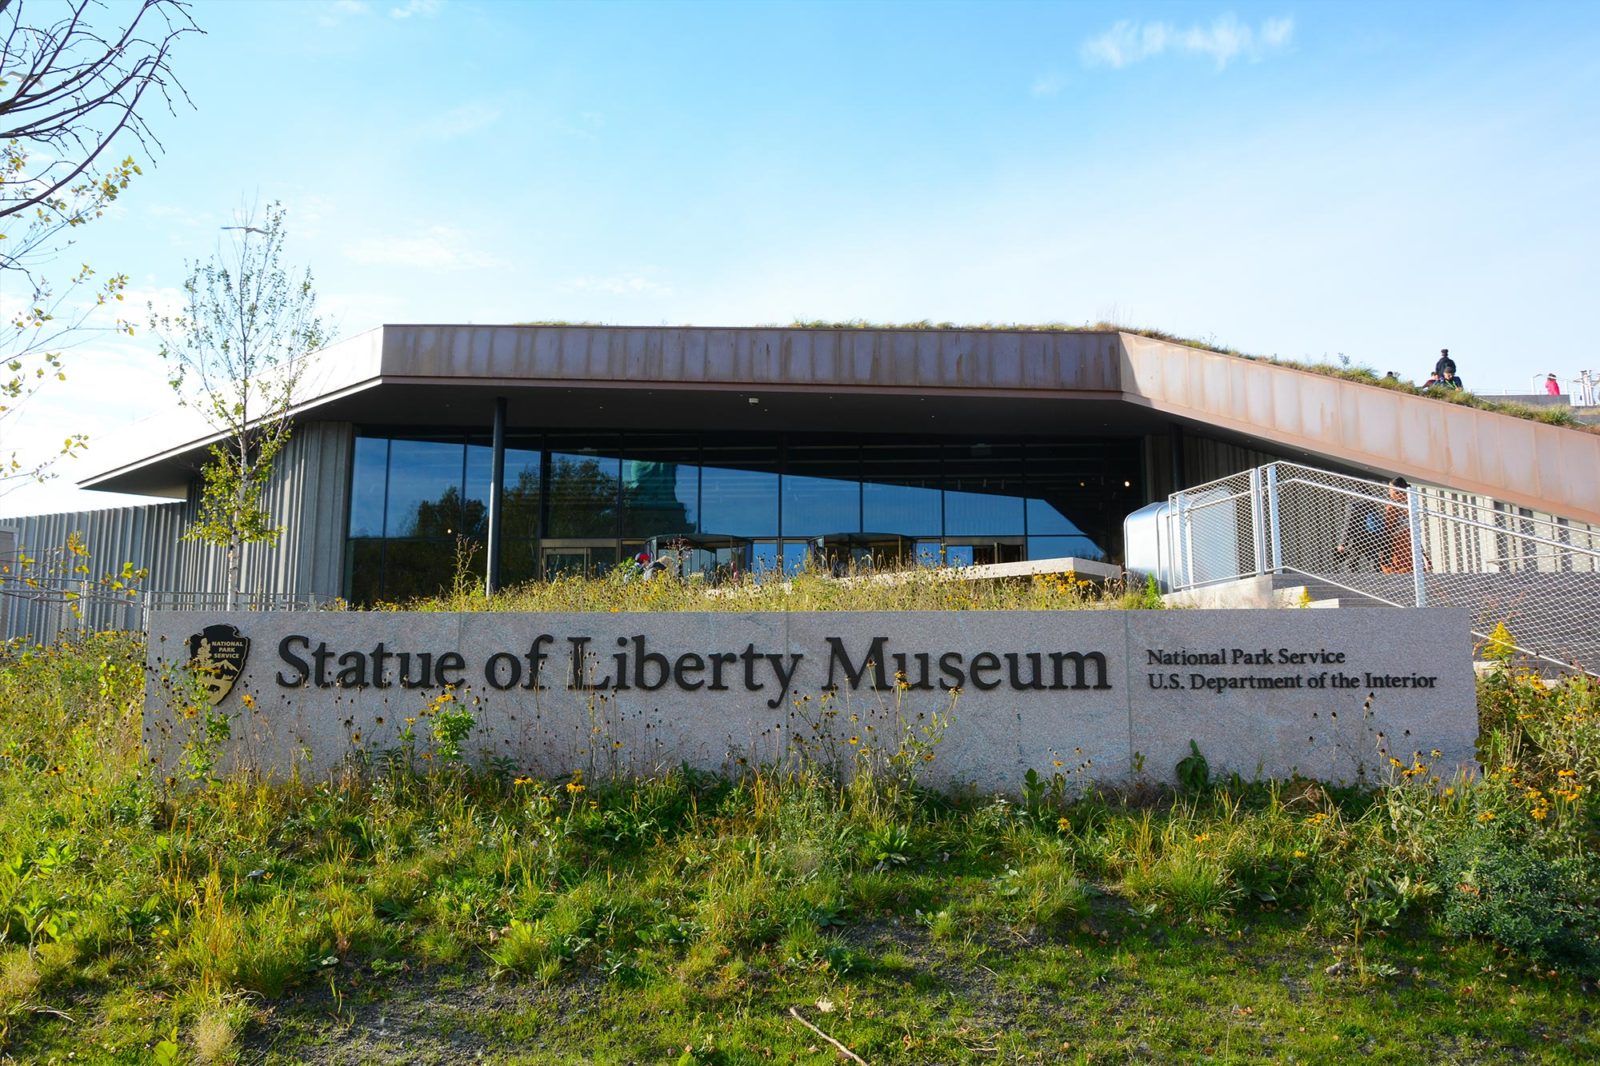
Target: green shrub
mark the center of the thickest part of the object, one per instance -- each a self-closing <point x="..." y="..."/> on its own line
<point x="1497" y="885"/>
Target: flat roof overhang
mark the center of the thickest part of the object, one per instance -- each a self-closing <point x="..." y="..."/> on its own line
<point x="907" y="381"/>
<point x="643" y="408"/>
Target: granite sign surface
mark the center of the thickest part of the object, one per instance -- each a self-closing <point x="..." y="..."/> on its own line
<point x="1105" y="696"/>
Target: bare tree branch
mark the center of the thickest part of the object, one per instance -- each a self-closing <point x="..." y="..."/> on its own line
<point x="71" y="99"/>
<point x="75" y="88"/>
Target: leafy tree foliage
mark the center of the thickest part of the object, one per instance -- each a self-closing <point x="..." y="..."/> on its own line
<point x="237" y="352"/>
<point x="73" y="98"/>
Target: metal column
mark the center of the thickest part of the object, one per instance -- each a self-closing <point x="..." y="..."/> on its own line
<point x="1258" y="522"/>
<point x="1274" y="530"/>
<point x="497" y="476"/>
<point x="1419" y="584"/>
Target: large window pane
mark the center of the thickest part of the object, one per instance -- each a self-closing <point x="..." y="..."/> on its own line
<point x="984" y="490"/>
<point x="519" y="562"/>
<point x="363" y="570"/>
<point x="822" y="490"/>
<point x="739" y="489"/>
<point x="583" y="491"/>
<point x="521" y="500"/>
<point x="764" y="557"/>
<point x="368" y="479"/>
<point x="1044" y="516"/>
<point x="660" y="486"/>
<point x="796" y="555"/>
<point x="900" y="491"/>
<point x="958" y="555"/>
<point x="1065" y="483"/>
<point x="1061" y="547"/>
<point x="424" y="488"/>
<point x="414" y="568"/>
<point x="475" y="496"/>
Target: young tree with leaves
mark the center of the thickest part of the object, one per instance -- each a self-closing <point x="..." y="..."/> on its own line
<point x="237" y="352"/>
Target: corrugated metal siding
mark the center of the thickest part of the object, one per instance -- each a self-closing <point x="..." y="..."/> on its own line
<point x="1205" y="459"/>
<point x="307" y="497"/>
<point x="146" y="536"/>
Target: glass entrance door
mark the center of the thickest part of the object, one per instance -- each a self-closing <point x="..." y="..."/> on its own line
<point x="582" y="558"/>
<point x="983" y="552"/>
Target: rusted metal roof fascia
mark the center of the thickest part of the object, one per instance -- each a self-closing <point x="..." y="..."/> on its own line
<point x="1530" y="464"/>
<point x="843" y="359"/>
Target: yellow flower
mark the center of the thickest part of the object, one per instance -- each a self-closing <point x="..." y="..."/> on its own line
<point x="855" y="740"/>
<point x="1538" y="813"/>
<point x="575" y="788"/>
<point x="248" y="700"/>
<point x="1299" y="854"/>
<point x="1201" y="838"/>
<point x="1063" y="824"/>
<point x="523" y="781"/>
<point x="1486" y="816"/>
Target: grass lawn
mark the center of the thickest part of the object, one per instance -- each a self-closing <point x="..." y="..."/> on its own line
<point x="463" y="914"/>
<point x="1114" y="988"/>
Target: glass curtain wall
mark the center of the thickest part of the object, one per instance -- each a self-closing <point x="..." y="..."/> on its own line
<point x="576" y="503"/>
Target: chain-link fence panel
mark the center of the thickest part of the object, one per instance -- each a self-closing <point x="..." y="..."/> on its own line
<point x="1217" y="531"/>
<point x="1377" y="543"/>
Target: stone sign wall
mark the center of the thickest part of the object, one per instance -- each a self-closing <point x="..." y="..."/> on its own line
<point x="1108" y="696"/>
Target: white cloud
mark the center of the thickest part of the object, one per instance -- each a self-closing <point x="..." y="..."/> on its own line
<point x="469" y="117"/>
<point x="619" y="285"/>
<point x="421" y="8"/>
<point x="1225" y="40"/>
<point x="341" y="9"/>
<point x="439" y="248"/>
<point x="1047" y="85"/>
<point x="1276" y="33"/>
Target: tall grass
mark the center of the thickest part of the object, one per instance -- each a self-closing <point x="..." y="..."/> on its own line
<point x="152" y="911"/>
<point x="893" y="590"/>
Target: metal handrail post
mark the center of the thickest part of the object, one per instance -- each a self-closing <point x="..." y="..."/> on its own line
<point x="1170" y="577"/>
<point x="1258" y="531"/>
<point x="1274" y="528"/>
<point x="1184" y="522"/>
<point x="1414" y="519"/>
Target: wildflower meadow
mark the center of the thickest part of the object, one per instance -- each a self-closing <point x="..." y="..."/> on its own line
<point x="424" y="910"/>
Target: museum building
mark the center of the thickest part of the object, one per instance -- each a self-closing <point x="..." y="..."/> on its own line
<point x="560" y="449"/>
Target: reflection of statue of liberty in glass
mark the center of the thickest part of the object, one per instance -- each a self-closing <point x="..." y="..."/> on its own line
<point x="650" y="492"/>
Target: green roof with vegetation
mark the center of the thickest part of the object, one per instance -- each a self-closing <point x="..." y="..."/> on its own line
<point x="1554" y="414"/>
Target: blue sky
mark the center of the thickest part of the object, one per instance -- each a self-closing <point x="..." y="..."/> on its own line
<point x="1294" y="179"/>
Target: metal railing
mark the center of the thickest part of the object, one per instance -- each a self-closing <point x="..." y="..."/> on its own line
<point x="167" y="600"/>
<point x="1368" y="543"/>
<point x="39" y="610"/>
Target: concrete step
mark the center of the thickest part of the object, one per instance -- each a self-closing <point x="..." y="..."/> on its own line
<point x="1321" y="594"/>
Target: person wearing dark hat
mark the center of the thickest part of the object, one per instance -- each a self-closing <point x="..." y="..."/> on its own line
<point x="1552" y="387"/>
<point x="1395" y="546"/>
<point x="1444" y="373"/>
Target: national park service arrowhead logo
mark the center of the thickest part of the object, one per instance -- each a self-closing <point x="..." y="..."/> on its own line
<point x="216" y="655"/>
